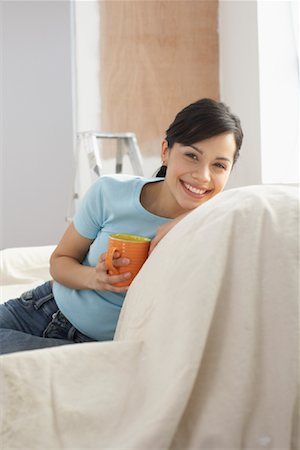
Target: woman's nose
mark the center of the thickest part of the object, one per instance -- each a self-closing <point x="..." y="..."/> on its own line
<point x="202" y="174"/>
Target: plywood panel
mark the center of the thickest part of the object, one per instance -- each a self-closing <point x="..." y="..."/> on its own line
<point x="156" y="57"/>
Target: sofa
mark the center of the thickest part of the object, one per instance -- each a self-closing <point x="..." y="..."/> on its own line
<point x="206" y="352"/>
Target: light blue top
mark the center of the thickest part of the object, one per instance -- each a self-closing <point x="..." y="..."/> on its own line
<point x="111" y="205"/>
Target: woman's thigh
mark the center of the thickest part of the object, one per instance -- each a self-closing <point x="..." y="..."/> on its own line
<point x="34" y="321"/>
<point x="16" y="341"/>
<point x="31" y="312"/>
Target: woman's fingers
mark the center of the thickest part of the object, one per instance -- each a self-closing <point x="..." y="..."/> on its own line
<point x="117" y="260"/>
<point x="113" y="279"/>
<point x="120" y="262"/>
<point x="107" y="280"/>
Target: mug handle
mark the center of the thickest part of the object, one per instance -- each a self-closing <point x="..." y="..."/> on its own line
<point x="109" y="260"/>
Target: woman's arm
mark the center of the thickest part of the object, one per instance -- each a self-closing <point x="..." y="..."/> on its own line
<point x="164" y="229"/>
<point x="66" y="267"/>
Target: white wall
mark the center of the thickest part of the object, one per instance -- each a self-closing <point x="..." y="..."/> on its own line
<point x="37" y="126"/>
<point x="239" y="83"/>
<point x="259" y="76"/>
<point x="87" y="48"/>
<point x="279" y="90"/>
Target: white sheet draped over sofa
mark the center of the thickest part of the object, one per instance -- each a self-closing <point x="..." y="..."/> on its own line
<point x="206" y="350"/>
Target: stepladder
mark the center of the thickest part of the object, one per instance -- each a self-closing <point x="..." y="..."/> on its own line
<point x="126" y="145"/>
<point x="90" y="161"/>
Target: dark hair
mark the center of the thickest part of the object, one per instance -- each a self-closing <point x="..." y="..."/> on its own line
<point x="201" y="120"/>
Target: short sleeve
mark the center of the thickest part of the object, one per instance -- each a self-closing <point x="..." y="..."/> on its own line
<point x="88" y="219"/>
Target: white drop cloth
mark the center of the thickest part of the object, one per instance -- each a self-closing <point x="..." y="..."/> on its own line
<point x="206" y="351"/>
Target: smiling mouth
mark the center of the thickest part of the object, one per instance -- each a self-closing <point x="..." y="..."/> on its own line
<point x="193" y="190"/>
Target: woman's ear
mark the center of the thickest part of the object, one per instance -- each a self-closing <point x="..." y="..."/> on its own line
<point x="164" y="152"/>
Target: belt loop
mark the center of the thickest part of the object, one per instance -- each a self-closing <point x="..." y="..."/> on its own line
<point x="71" y="333"/>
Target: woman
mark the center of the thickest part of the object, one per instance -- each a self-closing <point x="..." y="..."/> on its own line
<point x="83" y="304"/>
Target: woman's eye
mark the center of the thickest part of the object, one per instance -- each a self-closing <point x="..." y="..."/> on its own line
<point x="192" y="156"/>
<point x="220" y="166"/>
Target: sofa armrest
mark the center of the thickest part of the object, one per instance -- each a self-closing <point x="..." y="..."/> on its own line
<point x="25" y="264"/>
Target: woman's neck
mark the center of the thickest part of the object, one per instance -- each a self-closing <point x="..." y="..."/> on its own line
<point x="154" y="200"/>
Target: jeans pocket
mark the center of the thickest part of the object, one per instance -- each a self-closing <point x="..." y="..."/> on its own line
<point x="40" y="298"/>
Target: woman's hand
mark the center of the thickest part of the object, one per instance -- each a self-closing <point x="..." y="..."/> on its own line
<point x="103" y="281"/>
<point x="66" y="265"/>
<point x="163" y="230"/>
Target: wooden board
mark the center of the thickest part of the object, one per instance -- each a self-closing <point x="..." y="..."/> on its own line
<point x="156" y="57"/>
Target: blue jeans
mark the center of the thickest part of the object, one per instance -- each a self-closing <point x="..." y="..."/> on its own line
<point x="34" y="321"/>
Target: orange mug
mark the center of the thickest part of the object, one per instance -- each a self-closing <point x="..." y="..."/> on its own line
<point x="130" y="246"/>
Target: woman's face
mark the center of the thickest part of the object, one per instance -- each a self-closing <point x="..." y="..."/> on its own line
<point x="197" y="172"/>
